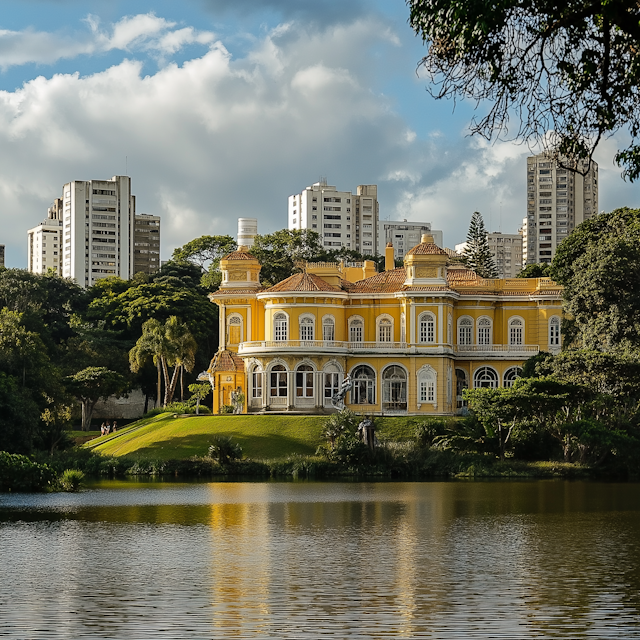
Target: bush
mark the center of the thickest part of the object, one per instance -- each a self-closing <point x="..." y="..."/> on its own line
<point x="71" y="480"/>
<point x="344" y="422"/>
<point x="19" y="473"/>
<point x="227" y="408"/>
<point x="224" y="450"/>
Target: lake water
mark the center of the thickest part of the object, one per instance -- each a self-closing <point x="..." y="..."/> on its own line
<point x="544" y="559"/>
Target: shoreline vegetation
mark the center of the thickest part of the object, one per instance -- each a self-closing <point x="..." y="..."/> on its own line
<point x="249" y="447"/>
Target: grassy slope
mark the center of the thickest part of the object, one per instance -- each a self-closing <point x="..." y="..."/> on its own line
<point x="261" y="437"/>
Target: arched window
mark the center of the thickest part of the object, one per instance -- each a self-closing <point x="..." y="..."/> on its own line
<point x="427" y="385"/>
<point x="462" y="383"/>
<point x="516" y="331"/>
<point x="510" y="376"/>
<point x="356" y="329"/>
<point x="278" y="382"/>
<point x="256" y="382"/>
<point x="234" y="329"/>
<point x="280" y="327"/>
<point x="304" y="381"/>
<point x="427" y="328"/>
<point x="485" y="377"/>
<point x="306" y="328"/>
<point x="332" y="380"/>
<point x="484" y="331"/>
<point x="328" y="329"/>
<point x="465" y="331"/>
<point x="554" y="332"/>
<point x="363" y="390"/>
<point x="394" y="389"/>
<point x="385" y="330"/>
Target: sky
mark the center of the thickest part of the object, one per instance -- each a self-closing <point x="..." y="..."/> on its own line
<point x="220" y="109"/>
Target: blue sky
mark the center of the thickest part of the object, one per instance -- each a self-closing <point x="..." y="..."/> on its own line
<point x="220" y="109"/>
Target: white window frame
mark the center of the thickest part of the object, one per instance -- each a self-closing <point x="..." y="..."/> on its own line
<point x="307" y="328"/>
<point x="281" y="380"/>
<point x="356" y="329"/>
<point x="427" y="385"/>
<point x="484" y="331"/>
<point x="363" y="386"/>
<point x="427" y="328"/>
<point x="384" y="329"/>
<point x="305" y="387"/>
<point x="486" y="374"/>
<point x="328" y="329"/>
<point x="516" y="331"/>
<point x="510" y="376"/>
<point x="554" y="331"/>
<point x="280" y="327"/>
<point x="465" y="330"/>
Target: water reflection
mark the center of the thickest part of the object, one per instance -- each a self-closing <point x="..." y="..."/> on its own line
<point x="268" y="560"/>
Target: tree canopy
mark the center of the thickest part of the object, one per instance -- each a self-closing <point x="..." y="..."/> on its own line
<point x="567" y="73"/>
<point x="599" y="267"/>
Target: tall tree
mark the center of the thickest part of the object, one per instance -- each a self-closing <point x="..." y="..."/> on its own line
<point x="476" y="254"/>
<point x="279" y="252"/>
<point x="152" y="344"/>
<point x="599" y="268"/>
<point x="567" y="71"/>
<point x="91" y="384"/>
<point x="205" y="252"/>
<point x="183" y="350"/>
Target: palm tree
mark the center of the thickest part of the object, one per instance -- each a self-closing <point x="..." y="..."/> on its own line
<point x="152" y="343"/>
<point x="183" y="347"/>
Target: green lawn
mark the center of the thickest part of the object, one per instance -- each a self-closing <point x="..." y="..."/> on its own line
<point x="261" y="437"/>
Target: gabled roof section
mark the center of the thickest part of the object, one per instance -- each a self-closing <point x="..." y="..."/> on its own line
<point x="426" y="249"/>
<point x="226" y="361"/>
<point x="239" y="255"/>
<point x="462" y="276"/>
<point x="383" y="282"/>
<point x="304" y="282"/>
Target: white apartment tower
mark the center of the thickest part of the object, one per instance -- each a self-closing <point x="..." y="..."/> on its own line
<point x="342" y="219"/>
<point x="98" y="221"/>
<point x="406" y="235"/>
<point x="44" y="242"/>
<point x="558" y="200"/>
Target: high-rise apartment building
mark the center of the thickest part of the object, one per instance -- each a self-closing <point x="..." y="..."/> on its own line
<point x="558" y="200"/>
<point x="44" y="242"/>
<point x="506" y="249"/>
<point x="342" y="219"/>
<point x="146" y="243"/>
<point x="98" y="220"/>
<point x="405" y="235"/>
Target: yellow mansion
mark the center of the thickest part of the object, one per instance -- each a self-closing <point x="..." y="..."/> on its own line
<point x="411" y="338"/>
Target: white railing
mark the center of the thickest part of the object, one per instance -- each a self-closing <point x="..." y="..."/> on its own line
<point x="279" y="345"/>
<point x="493" y="348"/>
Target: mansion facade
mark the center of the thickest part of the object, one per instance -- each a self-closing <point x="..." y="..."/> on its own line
<point x="411" y="338"/>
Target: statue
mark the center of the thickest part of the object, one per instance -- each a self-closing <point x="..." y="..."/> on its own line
<point x="337" y="400"/>
<point x="367" y="433"/>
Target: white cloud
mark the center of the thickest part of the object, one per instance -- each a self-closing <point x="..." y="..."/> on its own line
<point x="144" y="32"/>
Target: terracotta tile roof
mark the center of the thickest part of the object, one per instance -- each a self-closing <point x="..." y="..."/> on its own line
<point x="226" y="361"/>
<point x="384" y="282"/>
<point x="426" y="248"/>
<point x="304" y="282"/>
<point x="462" y="276"/>
<point x="239" y="255"/>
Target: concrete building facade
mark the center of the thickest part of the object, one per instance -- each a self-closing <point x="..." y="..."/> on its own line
<point x="404" y="235"/>
<point x="342" y="219"/>
<point x="247" y="231"/>
<point x="506" y="249"/>
<point x="44" y="242"/>
<point x="146" y="243"/>
<point x="558" y="200"/>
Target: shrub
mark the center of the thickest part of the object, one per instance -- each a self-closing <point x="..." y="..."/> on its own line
<point x="19" y="473"/>
<point x="227" y="408"/>
<point x="344" y="422"/>
<point x="224" y="450"/>
<point x="71" y="480"/>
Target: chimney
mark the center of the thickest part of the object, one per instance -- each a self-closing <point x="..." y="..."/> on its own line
<point x="389" y="261"/>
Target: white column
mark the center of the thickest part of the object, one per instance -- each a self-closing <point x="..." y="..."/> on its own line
<point x="440" y="324"/>
<point x="223" y="326"/>
<point x="412" y="327"/>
